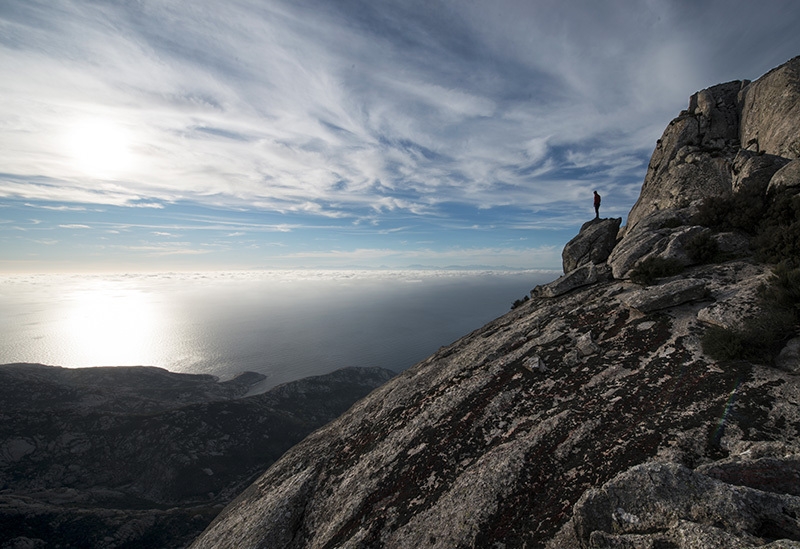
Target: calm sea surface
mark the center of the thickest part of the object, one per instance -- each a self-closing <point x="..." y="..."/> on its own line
<point x="284" y="324"/>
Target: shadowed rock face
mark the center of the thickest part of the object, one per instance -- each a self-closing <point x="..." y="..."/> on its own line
<point x="692" y="160"/>
<point x="787" y="176"/>
<point x="142" y="457"/>
<point x="771" y="112"/>
<point x="575" y="419"/>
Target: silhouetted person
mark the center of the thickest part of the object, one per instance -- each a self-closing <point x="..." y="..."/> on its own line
<point x="596" y="205"/>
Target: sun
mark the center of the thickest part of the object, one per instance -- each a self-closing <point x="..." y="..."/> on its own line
<point x="100" y="148"/>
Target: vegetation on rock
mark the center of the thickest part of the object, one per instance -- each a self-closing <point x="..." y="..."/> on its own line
<point x="519" y="302"/>
<point x="649" y="270"/>
<point x="762" y="337"/>
<point x="778" y="237"/>
<point x="702" y="249"/>
<point x="736" y="212"/>
<point x="773" y="220"/>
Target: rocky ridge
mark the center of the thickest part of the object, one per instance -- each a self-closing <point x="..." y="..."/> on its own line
<point x="142" y="457"/>
<point x="589" y="416"/>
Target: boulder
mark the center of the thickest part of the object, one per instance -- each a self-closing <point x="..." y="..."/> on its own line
<point x="771" y="112"/>
<point x="643" y="242"/>
<point x="585" y="345"/>
<point x="690" y="177"/>
<point x="683" y="534"/>
<point x="770" y="474"/>
<point x="664" y="296"/>
<point x="592" y="245"/>
<point x="669" y="505"/>
<point x="631" y="249"/>
<point x="752" y="172"/>
<point x="787" y="176"/>
<point x="577" y="278"/>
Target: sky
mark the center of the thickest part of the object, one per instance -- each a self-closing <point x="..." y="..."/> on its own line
<point x="153" y="135"/>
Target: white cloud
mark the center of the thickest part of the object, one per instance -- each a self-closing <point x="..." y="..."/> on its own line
<point x="361" y="111"/>
<point x="543" y="256"/>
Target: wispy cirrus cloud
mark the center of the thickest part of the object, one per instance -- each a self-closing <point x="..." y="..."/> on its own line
<point x="359" y="114"/>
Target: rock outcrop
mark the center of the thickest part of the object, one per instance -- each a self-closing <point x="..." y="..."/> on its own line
<point x="646" y="240"/>
<point x="669" y="505"/>
<point x="592" y="245"/>
<point x="588" y="416"/>
<point x="142" y="457"/>
<point x="752" y="172"/>
<point x="692" y="160"/>
<point x="704" y="151"/>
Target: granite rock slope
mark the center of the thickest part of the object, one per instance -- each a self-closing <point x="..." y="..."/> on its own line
<point x="142" y="457"/>
<point x="542" y="428"/>
<point x="494" y="439"/>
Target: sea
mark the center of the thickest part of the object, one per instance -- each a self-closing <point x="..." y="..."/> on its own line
<point x="285" y="325"/>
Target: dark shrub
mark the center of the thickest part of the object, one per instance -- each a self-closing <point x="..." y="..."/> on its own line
<point x="778" y="237"/>
<point x="519" y="302"/>
<point x="767" y="333"/>
<point x="747" y="211"/>
<point x="646" y="272"/>
<point x="783" y="291"/>
<point x="762" y="337"/>
<point x="740" y="212"/>
<point x="702" y="248"/>
<point x="759" y="339"/>
<point x="713" y="212"/>
<point x="723" y="344"/>
<point x="773" y="220"/>
<point x="672" y="223"/>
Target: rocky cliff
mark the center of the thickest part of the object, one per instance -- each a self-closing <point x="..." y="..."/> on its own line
<point x="142" y="457"/>
<point x="592" y="415"/>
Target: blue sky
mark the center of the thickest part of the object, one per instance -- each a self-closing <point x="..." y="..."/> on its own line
<point x="169" y="135"/>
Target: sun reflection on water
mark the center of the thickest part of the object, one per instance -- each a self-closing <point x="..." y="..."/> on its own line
<point x="286" y="325"/>
<point x="113" y="325"/>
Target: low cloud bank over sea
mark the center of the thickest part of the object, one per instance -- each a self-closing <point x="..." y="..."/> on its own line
<point x="283" y="324"/>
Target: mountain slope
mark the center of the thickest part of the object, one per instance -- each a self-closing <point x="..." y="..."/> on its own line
<point x="495" y="438"/>
<point x="143" y="457"/>
<point x="521" y="434"/>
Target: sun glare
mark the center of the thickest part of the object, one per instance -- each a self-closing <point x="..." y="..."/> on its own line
<point x="100" y="148"/>
<point x="114" y="326"/>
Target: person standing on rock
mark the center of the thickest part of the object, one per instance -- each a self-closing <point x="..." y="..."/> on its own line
<point x="596" y="205"/>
